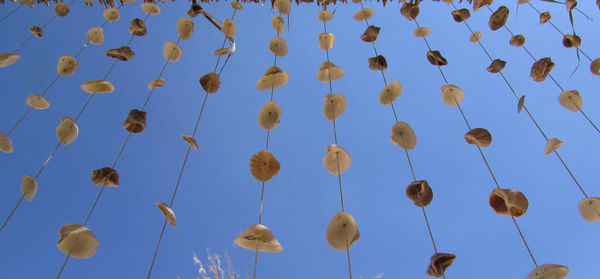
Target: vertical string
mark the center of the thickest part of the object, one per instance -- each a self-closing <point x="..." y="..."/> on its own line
<point x="483" y="156"/>
<point x="337" y="156"/>
<point x="517" y="97"/>
<point x="262" y="191"/>
<point x="10" y="12"/>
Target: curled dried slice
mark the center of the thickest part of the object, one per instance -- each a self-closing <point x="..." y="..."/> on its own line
<point x="552" y="145"/>
<point x="258" y="238"/>
<point x="541" y="69"/>
<point x="135" y="122"/>
<point x="436" y="58"/>
<point x="29" y="187"/>
<point x="439" y="263"/>
<point x="496" y="66"/>
<point x="508" y="202"/>
<point x="210" y="82"/>
<point x="419" y="193"/>
<point x="191" y="141"/>
<point x="123" y="53"/>
<point x="37" y="101"/>
<point x="168" y="212"/>
<point x="378" y="63"/>
<point x="105" y="177"/>
<point x="159" y="82"/>
<point x="479" y="136"/>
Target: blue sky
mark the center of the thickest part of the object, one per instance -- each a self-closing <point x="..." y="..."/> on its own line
<point x="219" y="198"/>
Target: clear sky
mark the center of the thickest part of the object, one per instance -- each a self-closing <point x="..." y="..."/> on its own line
<point x="218" y="197"/>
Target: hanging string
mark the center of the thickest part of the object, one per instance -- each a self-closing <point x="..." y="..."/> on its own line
<point x="559" y="31"/>
<point x="42" y="27"/>
<point x="551" y="77"/>
<point x="483" y="156"/>
<point x="262" y="191"/>
<point x="517" y="97"/>
<point x="85" y="45"/>
<point x="337" y="156"/>
<point x="11" y="12"/>
<point x="187" y="153"/>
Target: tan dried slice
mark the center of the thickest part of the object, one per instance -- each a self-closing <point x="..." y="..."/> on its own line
<point x="77" y="241"/>
<point x="552" y="145"/>
<point x="342" y="231"/>
<point x="6" y="144"/>
<point x="228" y="28"/>
<point x="475" y="37"/>
<point x="278" y="46"/>
<point x="403" y="136"/>
<point x="594" y="66"/>
<point x="111" y="14"/>
<point x="422" y="32"/>
<point x="191" y="141"/>
<point x="452" y="95"/>
<point x="97" y="86"/>
<point x="325" y="16"/>
<point x="264" y="166"/>
<point x="337" y="160"/>
<point x="237" y="5"/>
<point x="283" y="6"/>
<point x="159" y="82"/>
<point x="258" y="238"/>
<point x="95" y="35"/>
<point x="37" y="101"/>
<point x="66" y="66"/>
<point x="269" y="115"/>
<point x="278" y="24"/>
<point x="589" y="209"/>
<point x="67" y="131"/>
<point x="334" y="106"/>
<point x="61" y="9"/>
<point x="185" y="27"/>
<point x="274" y="77"/>
<point x="390" y="92"/>
<point x="571" y="100"/>
<point x="168" y="212"/>
<point x="326" y="41"/>
<point x="150" y="8"/>
<point x="172" y="52"/>
<point x="549" y="271"/>
<point x="363" y="14"/>
<point x="480" y="3"/>
<point x="29" y="187"/>
<point x="7" y="59"/>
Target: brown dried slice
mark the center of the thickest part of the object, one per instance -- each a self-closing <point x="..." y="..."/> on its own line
<point x="410" y="10"/>
<point x="570" y="41"/>
<point x="439" y="263"/>
<point x="461" y="15"/>
<point x="135" y="122"/>
<point x="264" y="166"/>
<point x="595" y="67"/>
<point x="419" y="193"/>
<point x="36" y="31"/>
<point x="521" y="104"/>
<point x="61" y="9"/>
<point x="370" y="35"/>
<point x="545" y="17"/>
<point x="191" y="141"/>
<point x="436" y="58"/>
<point x="496" y="66"/>
<point x="479" y="136"/>
<point x="498" y="18"/>
<point x="123" y="53"/>
<point x="378" y="63"/>
<point x="97" y="86"/>
<point x="138" y="27"/>
<point x="194" y="10"/>
<point x="508" y="202"/>
<point x="422" y="32"/>
<point x="105" y="177"/>
<point x="168" y="212"/>
<point x="210" y="82"/>
<point x="517" y="40"/>
<point x="541" y="69"/>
